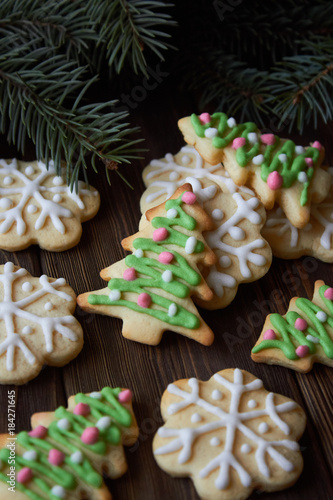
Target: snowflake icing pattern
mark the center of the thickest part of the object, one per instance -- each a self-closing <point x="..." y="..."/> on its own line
<point x="220" y="411"/>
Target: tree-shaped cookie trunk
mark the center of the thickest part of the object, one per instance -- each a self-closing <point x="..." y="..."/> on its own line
<point x="151" y="289"/>
<point x="301" y="337"/>
<point x="65" y="453"/>
<point x="276" y="169"/>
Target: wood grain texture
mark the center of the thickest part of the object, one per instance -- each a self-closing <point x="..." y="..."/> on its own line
<point x="109" y="359"/>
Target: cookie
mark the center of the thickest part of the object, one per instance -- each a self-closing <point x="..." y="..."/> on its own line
<point x="65" y="453"/>
<point x="37" y="207"/>
<point x="303" y="336"/>
<point x="276" y="169"/>
<point x="229" y="435"/>
<point x="151" y="289"/>
<point x="37" y="325"/>
<point x="315" y="239"/>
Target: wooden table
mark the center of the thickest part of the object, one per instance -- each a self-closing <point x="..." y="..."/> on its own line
<point x="109" y="359"/>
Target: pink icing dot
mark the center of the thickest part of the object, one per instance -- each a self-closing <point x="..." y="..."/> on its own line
<point x="165" y="257"/>
<point x="189" y="198"/>
<point x="129" y="274"/>
<point x="238" y="142"/>
<point x="24" y="475"/>
<point x="144" y="300"/>
<point x="328" y="294"/>
<point x="90" y="435"/>
<point x="125" y="396"/>
<point x="39" y="432"/>
<point x="82" y="409"/>
<point x="56" y="457"/>
<point x="268" y="139"/>
<point x="160" y="234"/>
<point x="274" y="180"/>
<point x="302" y="351"/>
<point x="309" y="162"/>
<point x="269" y="335"/>
<point x="317" y="145"/>
<point x="205" y="118"/>
<point x="301" y="324"/>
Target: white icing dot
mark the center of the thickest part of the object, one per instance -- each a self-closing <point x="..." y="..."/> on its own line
<point x="231" y="122"/>
<point x="211" y="132"/>
<point x="252" y="138"/>
<point x="173" y="176"/>
<point x="190" y="244"/>
<point x="252" y="403"/>
<point x="76" y="457"/>
<point x="29" y="170"/>
<point x="27" y="286"/>
<point x="103" y="423"/>
<point x="216" y="394"/>
<point x="172" y="213"/>
<point x="185" y="160"/>
<point x="263" y="427"/>
<point x="312" y="339"/>
<point x="57" y="198"/>
<point x="302" y="177"/>
<point x="138" y="253"/>
<point x="196" y="418"/>
<point x="58" y="491"/>
<point x="282" y="157"/>
<point x="299" y="150"/>
<point x="30" y="455"/>
<point x="215" y="441"/>
<point x="64" y="424"/>
<point x="245" y="448"/>
<point x="114" y="295"/>
<point x="172" y="311"/>
<point x="258" y="160"/>
<point x="237" y="233"/>
<point x="217" y="214"/>
<point x="26" y="330"/>
<point x="225" y="261"/>
<point x="57" y="180"/>
<point x="61" y="281"/>
<point x="48" y="306"/>
<point x="167" y="276"/>
<point x="32" y="209"/>
<point x="6" y="203"/>
<point x="95" y="395"/>
<point x="8" y="180"/>
<point x="321" y="316"/>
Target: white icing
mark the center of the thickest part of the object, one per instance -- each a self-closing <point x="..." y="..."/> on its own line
<point x="185" y="160"/>
<point x="8" y="180"/>
<point x="27" y="286"/>
<point x="76" y="457"/>
<point x="114" y="295"/>
<point x="196" y="417"/>
<point x="32" y="209"/>
<point x="252" y="403"/>
<point x="58" y="491"/>
<point x="26" y="330"/>
<point x="96" y="395"/>
<point x="225" y="261"/>
<point x="322" y="316"/>
<point x="172" y="311"/>
<point x="211" y="132"/>
<point x="299" y="150"/>
<point x="312" y="339"/>
<point x="29" y="170"/>
<point x="232" y="420"/>
<point x="103" y="423"/>
<point x="215" y="441"/>
<point x="167" y="276"/>
<point x="217" y="395"/>
<point x="302" y="177"/>
<point x="245" y="448"/>
<point x="172" y="213"/>
<point x="231" y="122"/>
<point x="277" y="218"/>
<point x="57" y="180"/>
<point x="190" y="244"/>
<point x="48" y="306"/>
<point x="10" y="310"/>
<point x="263" y="427"/>
<point x="30" y="455"/>
<point x="283" y="157"/>
<point x="258" y="160"/>
<point x="217" y="214"/>
<point x="252" y="137"/>
<point x="64" y="424"/>
<point x="138" y="253"/>
<point x="237" y="233"/>
<point x="6" y="203"/>
<point x="57" y="198"/>
<point x="174" y="176"/>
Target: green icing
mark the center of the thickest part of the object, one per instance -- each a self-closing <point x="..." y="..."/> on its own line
<point x="150" y="270"/>
<point x="290" y="335"/>
<point x="289" y="169"/>
<point x="69" y="442"/>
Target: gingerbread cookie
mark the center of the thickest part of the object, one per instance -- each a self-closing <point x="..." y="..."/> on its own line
<point x="37" y="207"/>
<point x="37" y="325"/>
<point x="301" y="337"/>
<point x="151" y="289"/>
<point x="229" y="435"/>
<point x="65" y="453"/>
<point x="276" y="169"/>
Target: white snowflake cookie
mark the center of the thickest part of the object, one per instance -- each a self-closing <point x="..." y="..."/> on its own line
<point x="229" y="435"/>
<point x="37" y="207"/>
<point x="37" y="325"/>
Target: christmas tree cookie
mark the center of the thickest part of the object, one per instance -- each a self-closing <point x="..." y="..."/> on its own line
<point x="229" y="435"/>
<point x="151" y="289"/>
<point x="276" y="169"/>
<point x="37" y="207"/>
<point x="301" y="337"/>
<point x="65" y="453"/>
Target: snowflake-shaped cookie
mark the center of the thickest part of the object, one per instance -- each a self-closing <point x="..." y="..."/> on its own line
<point x="36" y="206"/>
<point x="229" y="435"/>
<point x="36" y="324"/>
